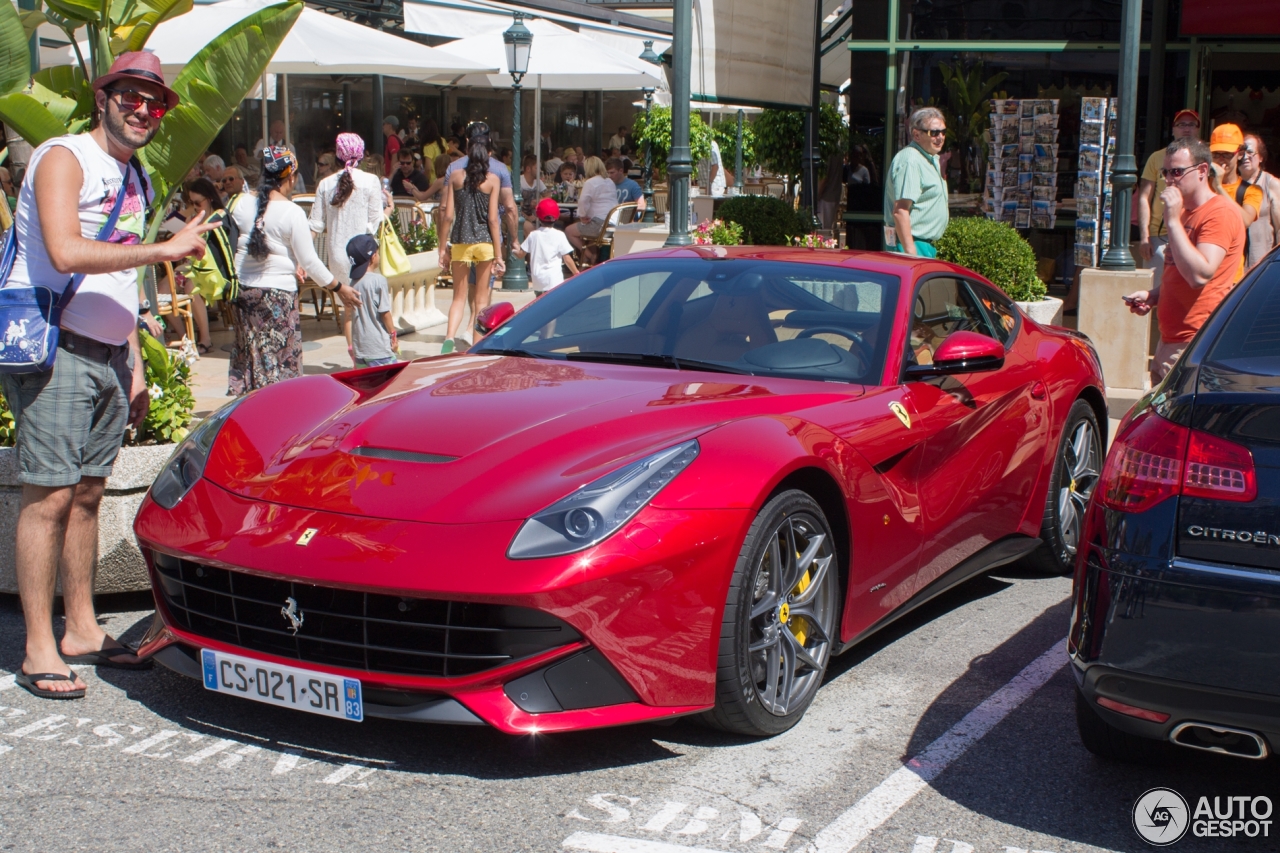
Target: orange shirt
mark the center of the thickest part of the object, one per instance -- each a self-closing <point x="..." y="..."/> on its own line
<point x="1182" y="309"/>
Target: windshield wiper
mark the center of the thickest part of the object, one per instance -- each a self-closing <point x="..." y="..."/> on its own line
<point x="655" y="359"/>
<point x="520" y="353"/>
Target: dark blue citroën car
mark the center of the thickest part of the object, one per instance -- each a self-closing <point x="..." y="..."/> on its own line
<point x="1175" y="632"/>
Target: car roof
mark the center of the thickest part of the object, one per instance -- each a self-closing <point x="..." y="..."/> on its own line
<point x="906" y="267"/>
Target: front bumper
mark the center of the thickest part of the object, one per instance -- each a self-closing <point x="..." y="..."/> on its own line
<point x="647" y="602"/>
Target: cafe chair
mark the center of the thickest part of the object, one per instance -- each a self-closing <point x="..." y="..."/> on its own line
<point x="321" y="297"/>
<point x="660" y="199"/>
<point x="602" y="242"/>
<point x="169" y="302"/>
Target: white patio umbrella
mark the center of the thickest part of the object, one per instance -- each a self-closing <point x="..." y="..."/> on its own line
<point x="317" y="44"/>
<point x="560" y="59"/>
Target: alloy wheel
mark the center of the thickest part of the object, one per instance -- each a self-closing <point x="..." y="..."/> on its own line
<point x="792" y="610"/>
<point x="1080" y="471"/>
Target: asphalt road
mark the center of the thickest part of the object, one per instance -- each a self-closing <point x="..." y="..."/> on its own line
<point x="951" y="732"/>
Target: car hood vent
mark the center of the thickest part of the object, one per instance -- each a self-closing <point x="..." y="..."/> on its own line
<point x="402" y="455"/>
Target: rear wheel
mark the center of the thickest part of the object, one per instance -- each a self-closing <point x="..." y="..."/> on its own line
<point x="779" y="623"/>
<point x="1106" y="741"/>
<point x="1075" y="475"/>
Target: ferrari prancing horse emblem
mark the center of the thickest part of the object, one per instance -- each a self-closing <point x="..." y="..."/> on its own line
<point x="902" y="413"/>
<point x="309" y="533"/>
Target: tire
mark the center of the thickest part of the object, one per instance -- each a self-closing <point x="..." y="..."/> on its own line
<point x="1077" y="468"/>
<point x="1106" y="741"/>
<point x="778" y="629"/>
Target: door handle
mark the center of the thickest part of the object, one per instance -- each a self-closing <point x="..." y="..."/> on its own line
<point x="1039" y="391"/>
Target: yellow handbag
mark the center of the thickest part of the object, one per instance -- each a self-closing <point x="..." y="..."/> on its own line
<point x="392" y="258"/>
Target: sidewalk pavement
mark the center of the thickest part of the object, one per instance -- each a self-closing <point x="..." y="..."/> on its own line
<point x="324" y="350"/>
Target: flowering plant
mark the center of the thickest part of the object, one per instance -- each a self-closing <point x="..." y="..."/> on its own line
<point x="717" y="232"/>
<point x="816" y="241"/>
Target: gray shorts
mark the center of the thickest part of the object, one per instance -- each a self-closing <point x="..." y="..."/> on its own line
<point x="71" y="419"/>
<point x="590" y="227"/>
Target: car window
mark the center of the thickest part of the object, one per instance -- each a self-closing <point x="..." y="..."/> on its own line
<point x="942" y="305"/>
<point x="1253" y="331"/>
<point x="1002" y="317"/>
<point x="760" y="317"/>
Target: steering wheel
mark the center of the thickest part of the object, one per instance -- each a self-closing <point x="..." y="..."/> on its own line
<point x="864" y="353"/>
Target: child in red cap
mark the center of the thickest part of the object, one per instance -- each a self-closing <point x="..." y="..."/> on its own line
<point x="547" y="249"/>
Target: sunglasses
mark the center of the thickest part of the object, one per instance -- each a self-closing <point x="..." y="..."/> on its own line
<point x="1248" y="152"/>
<point x="1175" y="174"/>
<point x="935" y="134"/>
<point x="1187" y="124"/>
<point x="130" y="101"/>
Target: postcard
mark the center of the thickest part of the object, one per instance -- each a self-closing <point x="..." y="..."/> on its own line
<point x="1093" y="109"/>
<point x="1022" y="218"/>
<point x="1085" y="255"/>
<point x="1090" y="133"/>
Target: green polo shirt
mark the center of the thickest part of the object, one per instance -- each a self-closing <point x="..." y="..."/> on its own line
<point x="916" y="175"/>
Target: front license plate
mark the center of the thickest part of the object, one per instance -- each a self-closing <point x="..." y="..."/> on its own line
<point x="286" y="686"/>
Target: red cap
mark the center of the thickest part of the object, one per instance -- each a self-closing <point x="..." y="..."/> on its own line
<point x="547" y="210"/>
<point x="1192" y="114"/>
<point x="138" y="65"/>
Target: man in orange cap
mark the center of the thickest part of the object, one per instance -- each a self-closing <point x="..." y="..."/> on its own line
<point x="1226" y="142"/>
<point x="71" y="419"/>
<point x="1151" y="245"/>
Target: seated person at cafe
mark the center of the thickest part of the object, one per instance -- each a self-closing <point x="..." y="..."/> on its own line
<point x="408" y="175"/>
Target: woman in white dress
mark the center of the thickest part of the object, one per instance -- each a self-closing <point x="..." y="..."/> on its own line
<point x="347" y="203"/>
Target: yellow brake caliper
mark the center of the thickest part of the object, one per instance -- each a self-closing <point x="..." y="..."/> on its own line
<point x="798" y="626"/>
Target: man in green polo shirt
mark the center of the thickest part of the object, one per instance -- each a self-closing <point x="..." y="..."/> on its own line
<point x="915" y="196"/>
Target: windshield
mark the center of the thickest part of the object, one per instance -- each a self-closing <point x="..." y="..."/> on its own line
<point x="766" y="318"/>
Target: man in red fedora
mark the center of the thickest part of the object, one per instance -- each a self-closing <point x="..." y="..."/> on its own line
<point x="71" y="419"/>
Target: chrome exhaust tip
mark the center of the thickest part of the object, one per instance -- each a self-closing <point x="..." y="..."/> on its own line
<point x="1220" y="739"/>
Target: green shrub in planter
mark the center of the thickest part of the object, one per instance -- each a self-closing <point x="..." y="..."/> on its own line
<point x="765" y="220"/>
<point x="996" y="251"/>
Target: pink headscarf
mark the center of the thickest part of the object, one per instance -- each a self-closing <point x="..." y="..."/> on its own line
<point x="349" y="149"/>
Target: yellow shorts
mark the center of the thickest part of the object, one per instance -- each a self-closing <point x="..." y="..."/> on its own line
<point x="472" y="253"/>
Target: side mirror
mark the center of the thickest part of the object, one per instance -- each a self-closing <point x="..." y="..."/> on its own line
<point x="494" y="316"/>
<point x="961" y="352"/>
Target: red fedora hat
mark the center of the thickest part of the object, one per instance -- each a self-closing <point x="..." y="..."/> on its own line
<point x="142" y="66"/>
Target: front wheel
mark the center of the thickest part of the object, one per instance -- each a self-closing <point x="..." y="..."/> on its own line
<point x="779" y="625"/>
<point x="1076" y="471"/>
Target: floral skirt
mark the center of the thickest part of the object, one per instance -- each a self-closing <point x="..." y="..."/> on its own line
<point x="268" y="344"/>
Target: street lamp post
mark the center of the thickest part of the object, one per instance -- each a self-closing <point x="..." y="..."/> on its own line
<point x="519" y="42"/>
<point x="680" y="160"/>
<point x="648" y="56"/>
<point x="1124" y="173"/>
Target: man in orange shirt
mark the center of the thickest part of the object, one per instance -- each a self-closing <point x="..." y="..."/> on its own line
<point x="1225" y="143"/>
<point x="1206" y="245"/>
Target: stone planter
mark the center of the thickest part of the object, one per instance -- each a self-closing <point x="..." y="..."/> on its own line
<point x="413" y="300"/>
<point x="120" y="564"/>
<point x="1047" y="311"/>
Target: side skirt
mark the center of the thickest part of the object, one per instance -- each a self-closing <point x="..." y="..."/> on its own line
<point x="997" y="554"/>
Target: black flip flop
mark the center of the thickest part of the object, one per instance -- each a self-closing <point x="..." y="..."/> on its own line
<point x="108" y="658"/>
<point x="28" y="683"/>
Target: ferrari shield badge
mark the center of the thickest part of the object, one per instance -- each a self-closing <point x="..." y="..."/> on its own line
<point x="902" y="413"/>
<point x="310" y="532"/>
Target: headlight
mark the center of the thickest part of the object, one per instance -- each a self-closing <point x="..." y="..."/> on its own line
<point x="186" y="465"/>
<point x="596" y="510"/>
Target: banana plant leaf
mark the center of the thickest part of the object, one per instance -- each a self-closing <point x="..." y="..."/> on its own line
<point x="134" y="20"/>
<point x="31" y="119"/>
<point x="81" y="11"/>
<point x="15" y="60"/>
<point x="31" y="19"/>
<point x="64" y="92"/>
<point x="211" y="86"/>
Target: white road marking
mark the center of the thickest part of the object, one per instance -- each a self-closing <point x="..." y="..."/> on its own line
<point x="236" y="757"/>
<point x="698" y="823"/>
<point x="49" y="723"/>
<point x="851" y="828"/>
<point x="596" y="842"/>
<point x="146" y="743"/>
<point x="346" y="771"/>
<point x="4" y="747"/>
<point x="665" y="815"/>
<point x="210" y="750"/>
<point x="751" y="826"/>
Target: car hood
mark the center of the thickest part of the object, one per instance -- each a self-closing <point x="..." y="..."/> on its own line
<point x="472" y="438"/>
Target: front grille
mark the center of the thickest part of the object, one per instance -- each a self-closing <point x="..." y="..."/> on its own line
<point x="356" y="630"/>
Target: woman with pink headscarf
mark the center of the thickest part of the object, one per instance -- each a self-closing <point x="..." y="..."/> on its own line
<point x="347" y="203"/>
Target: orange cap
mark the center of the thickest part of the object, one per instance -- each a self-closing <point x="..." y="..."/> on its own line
<point x="1226" y="137"/>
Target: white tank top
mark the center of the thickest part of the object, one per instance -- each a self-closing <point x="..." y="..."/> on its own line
<point x="105" y="306"/>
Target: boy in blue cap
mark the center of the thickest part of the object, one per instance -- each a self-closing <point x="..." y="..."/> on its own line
<point x="371" y="338"/>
